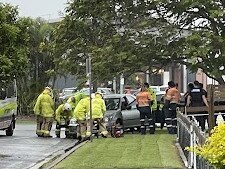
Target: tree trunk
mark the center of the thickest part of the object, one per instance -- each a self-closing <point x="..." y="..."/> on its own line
<point x="220" y="80"/>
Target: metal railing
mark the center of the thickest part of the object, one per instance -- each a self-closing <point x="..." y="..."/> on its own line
<point x="189" y="134"/>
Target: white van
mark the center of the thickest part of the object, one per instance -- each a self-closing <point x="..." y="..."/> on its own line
<point x="8" y="108"/>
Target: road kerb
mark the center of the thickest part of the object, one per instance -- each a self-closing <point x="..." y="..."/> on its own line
<point x="63" y="156"/>
<point x="54" y="156"/>
<point x="184" y="159"/>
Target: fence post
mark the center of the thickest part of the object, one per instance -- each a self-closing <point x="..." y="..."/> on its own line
<point x="190" y="162"/>
<point x="194" y="142"/>
<point x="178" y="129"/>
<point x="211" y="117"/>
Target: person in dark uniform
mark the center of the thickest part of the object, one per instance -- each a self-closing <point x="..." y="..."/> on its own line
<point x="197" y="98"/>
<point x="189" y="88"/>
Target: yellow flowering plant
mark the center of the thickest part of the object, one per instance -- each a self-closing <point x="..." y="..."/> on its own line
<point x="213" y="150"/>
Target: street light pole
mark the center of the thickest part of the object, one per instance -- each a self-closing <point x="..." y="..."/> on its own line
<point x="88" y="71"/>
<point x="121" y="84"/>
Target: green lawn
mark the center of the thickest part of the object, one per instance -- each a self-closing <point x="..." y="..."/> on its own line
<point x="130" y="152"/>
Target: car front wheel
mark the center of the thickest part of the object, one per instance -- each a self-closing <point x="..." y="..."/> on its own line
<point x="117" y="128"/>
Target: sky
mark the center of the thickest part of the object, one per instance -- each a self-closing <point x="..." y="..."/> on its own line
<point x="47" y="9"/>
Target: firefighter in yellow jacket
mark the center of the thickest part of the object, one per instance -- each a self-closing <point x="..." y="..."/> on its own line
<point x="80" y="113"/>
<point x="44" y="109"/>
<point x="98" y="111"/>
<point x="63" y="115"/>
<point x="74" y="100"/>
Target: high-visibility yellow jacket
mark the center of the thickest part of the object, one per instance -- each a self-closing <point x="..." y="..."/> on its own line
<point x="78" y="97"/>
<point x="82" y="109"/>
<point x="72" y="104"/>
<point x="98" y="107"/>
<point x="153" y="96"/>
<point x="62" y="113"/>
<point x="44" y="105"/>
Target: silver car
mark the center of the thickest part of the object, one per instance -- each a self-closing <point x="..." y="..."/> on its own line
<point x="126" y="105"/>
<point x="104" y="91"/>
<point x="121" y="108"/>
<point x="67" y="92"/>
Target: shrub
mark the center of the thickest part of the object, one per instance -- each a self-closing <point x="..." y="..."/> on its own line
<point x="214" y="148"/>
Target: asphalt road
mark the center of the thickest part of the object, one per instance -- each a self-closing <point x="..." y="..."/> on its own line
<point x="25" y="150"/>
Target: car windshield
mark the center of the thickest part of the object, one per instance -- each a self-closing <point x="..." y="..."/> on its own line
<point x="112" y="103"/>
<point x="68" y="91"/>
<point x="101" y="90"/>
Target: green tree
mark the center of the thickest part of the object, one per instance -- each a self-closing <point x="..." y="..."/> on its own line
<point x="203" y="43"/>
<point x="13" y="44"/>
<point x="40" y="62"/>
<point x="120" y="37"/>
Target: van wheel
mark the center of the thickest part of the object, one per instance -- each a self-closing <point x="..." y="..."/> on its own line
<point x="74" y="136"/>
<point x="9" y="130"/>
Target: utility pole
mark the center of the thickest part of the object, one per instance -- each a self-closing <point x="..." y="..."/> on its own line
<point x="121" y="84"/>
<point x="147" y="76"/>
<point x="88" y="72"/>
<point x="114" y="84"/>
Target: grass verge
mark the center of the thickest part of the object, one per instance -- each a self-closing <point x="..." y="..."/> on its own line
<point x="133" y="151"/>
<point x="26" y="119"/>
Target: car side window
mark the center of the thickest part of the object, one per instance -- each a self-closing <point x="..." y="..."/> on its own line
<point x="112" y="103"/>
<point x="130" y="99"/>
<point x="133" y="105"/>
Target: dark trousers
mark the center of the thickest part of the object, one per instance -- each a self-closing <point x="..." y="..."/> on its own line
<point x="201" y="120"/>
<point x="146" y="112"/>
<point x="39" y="120"/>
<point x="46" y="126"/>
<point x="171" y="118"/>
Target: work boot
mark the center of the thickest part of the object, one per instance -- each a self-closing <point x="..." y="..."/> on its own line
<point x="79" y="138"/>
<point x="86" y="138"/>
<point x="151" y="131"/>
<point x="104" y="136"/>
<point x="175" y="131"/>
<point x="143" y="132"/>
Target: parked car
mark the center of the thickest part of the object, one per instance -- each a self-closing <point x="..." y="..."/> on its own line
<point x="113" y="113"/>
<point x="67" y="92"/>
<point x="102" y="90"/>
<point x="121" y="108"/>
<point x="125" y="104"/>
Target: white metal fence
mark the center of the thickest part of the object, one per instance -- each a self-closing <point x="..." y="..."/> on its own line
<point x="189" y="135"/>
